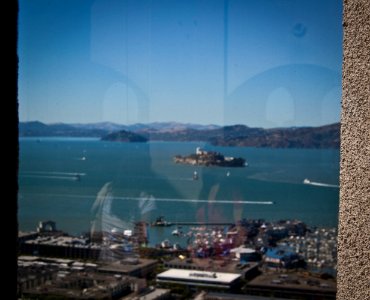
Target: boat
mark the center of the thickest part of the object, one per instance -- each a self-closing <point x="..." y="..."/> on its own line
<point x="195" y="175"/>
<point x="77" y="177"/>
<point x="161" y="222"/>
<point x="307" y="181"/>
<point x="177" y="232"/>
<point x="166" y="244"/>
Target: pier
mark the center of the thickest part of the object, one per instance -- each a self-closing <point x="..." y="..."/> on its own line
<point x="194" y="224"/>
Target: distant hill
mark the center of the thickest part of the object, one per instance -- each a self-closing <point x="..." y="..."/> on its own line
<point x="124" y="136"/>
<point x="327" y="136"/>
<point x="106" y="126"/>
<point x="40" y="129"/>
<point x="36" y="128"/>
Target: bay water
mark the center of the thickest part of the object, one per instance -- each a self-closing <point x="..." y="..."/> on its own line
<point x="84" y="184"/>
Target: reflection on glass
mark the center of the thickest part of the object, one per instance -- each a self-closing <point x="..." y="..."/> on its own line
<point x="178" y="149"/>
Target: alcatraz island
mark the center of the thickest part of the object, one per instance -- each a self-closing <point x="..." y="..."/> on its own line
<point x="210" y="158"/>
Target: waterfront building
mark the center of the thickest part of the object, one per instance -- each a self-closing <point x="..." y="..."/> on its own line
<point x="282" y="258"/>
<point x="199" y="279"/>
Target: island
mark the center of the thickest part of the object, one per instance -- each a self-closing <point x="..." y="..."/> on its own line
<point x="210" y="158"/>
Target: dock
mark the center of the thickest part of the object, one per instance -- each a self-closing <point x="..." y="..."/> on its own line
<point x="195" y="224"/>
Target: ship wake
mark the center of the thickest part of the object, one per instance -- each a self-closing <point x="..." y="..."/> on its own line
<point x="150" y="199"/>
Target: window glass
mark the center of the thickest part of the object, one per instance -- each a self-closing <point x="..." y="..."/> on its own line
<point x="158" y="136"/>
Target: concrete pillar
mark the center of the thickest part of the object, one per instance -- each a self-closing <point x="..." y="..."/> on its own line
<point x="354" y="218"/>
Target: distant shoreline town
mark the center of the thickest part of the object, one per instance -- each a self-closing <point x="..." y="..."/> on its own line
<point x="327" y="136"/>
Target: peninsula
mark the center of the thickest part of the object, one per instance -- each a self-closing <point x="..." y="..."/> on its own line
<point x="210" y="158"/>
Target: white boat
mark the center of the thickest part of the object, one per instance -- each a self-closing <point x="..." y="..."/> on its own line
<point x="307" y="181"/>
<point x="177" y="232"/>
<point x="165" y="244"/>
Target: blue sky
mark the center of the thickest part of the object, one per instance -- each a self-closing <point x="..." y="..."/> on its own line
<point x="261" y="63"/>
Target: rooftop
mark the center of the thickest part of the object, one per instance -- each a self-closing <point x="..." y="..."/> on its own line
<point x="294" y="280"/>
<point x="225" y="296"/>
<point x="199" y="276"/>
<point x="126" y="267"/>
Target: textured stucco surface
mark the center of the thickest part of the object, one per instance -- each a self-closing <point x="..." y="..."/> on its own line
<point x="354" y="223"/>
